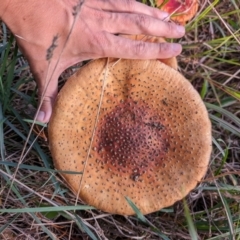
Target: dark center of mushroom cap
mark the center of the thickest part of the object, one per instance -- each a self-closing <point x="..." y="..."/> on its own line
<point x="131" y="139"/>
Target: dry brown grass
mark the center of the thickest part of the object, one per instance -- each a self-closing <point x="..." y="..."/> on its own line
<point x="210" y="60"/>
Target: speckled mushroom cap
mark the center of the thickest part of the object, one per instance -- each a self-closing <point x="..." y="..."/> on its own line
<point x="182" y="10"/>
<point x="147" y="136"/>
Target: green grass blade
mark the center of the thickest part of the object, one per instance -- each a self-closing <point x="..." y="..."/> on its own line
<point x="225" y="235"/>
<point x="224" y="112"/>
<point x="5" y="226"/>
<point x="142" y="218"/>
<point x="85" y="228"/>
<point x="47" y="209"/>
<point x="226" y="125"/>
<point x="229" y="216"/>
<point x="136" y="210"/>
<point x="218" y="146"/>
<point x="204" y="89"/>
<point x="36" y="168"/>
<point x="2" y="147"/>
<point x="20" y="198"/>
<point x="191" y="227"/>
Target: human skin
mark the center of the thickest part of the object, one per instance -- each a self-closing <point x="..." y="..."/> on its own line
<point x="92" y="32"/>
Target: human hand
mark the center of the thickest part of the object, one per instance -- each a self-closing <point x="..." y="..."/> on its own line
<point x="81" y="35"/>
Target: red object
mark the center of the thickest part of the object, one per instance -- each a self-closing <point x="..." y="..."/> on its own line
<point x="181" y="10"/>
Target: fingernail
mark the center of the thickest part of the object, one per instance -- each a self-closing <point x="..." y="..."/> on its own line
<point x="176" y="47"/>
<point x="40" y="116"/>
<point x="164" y="15"/>
<point x="181" y="29"/>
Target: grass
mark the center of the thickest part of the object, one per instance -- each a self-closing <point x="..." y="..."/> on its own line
<point x="38" y="205"/>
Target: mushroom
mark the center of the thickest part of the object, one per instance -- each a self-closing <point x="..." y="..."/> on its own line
<point x="133" y="128"/>
<point x="181" y="10"/>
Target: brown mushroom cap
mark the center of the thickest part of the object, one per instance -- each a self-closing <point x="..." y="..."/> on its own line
<point x="182" y="10"/>
<point x="151" y="141"/>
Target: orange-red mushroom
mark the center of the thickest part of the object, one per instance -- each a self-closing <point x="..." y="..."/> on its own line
<point x="134" y="128"/>
<point x="181" y="10"/>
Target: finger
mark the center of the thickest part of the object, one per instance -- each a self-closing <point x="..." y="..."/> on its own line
<point x="130" y="6"/>
<point x="47" y="94"/>
<point x="121" y="47"/>
<point x="45" y="111"/>
<point x="125" y="23"/>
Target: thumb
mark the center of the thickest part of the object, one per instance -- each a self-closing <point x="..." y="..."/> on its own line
<point x="46" y="73"/>
<point x="45" y="108"/>
<point x="47" y="93"/>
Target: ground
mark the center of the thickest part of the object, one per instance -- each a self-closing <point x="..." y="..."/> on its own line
<point x="38" y="204"/>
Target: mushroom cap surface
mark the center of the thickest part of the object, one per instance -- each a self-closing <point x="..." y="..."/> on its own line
<point x="182" y="10"/>
<point x="146" y="136"/>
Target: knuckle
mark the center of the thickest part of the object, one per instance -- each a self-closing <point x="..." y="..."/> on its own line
<point x="139" y="49"/>
<point x="48" y="98"/>
<point x="42" y="96"/>
<point x="129" y="4"/>
<point x="112" y="17"/>
<point x="163" y="48"/>
<point x="142" y="20"/>
<point x="170" y="27"/>
<point x="99" y="43"/>
<point x="99" y="15"/>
